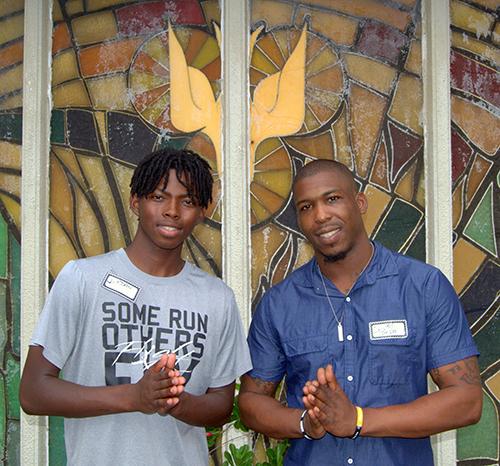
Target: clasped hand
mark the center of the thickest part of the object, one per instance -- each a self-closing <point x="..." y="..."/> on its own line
<point x="160" y="387"/>
<point x="329" y="409"/>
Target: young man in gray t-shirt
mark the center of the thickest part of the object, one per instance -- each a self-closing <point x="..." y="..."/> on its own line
<point x="149" y="345"/>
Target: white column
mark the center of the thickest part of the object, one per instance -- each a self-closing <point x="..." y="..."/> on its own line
<point x="438" y="196"/>
<point x="235" y="145"/>
<point x="35" y="200"/>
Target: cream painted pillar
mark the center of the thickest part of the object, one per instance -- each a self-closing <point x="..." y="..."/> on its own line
<point x="35" y="200"/>
<point x="437" y="133"/>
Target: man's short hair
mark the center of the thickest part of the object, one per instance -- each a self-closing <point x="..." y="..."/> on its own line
<point x="155" y="166"/>
<point x="324" y="165"/>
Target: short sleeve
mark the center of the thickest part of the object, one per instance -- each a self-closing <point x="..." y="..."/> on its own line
<point x="449" y="338"/>
<point x="268" y="357"/>
<point x="58" y="324"/>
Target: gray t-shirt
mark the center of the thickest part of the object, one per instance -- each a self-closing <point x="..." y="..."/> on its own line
<point x="105" y="322"/>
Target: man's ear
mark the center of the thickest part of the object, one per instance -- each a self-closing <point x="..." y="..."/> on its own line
<point x="134" y="204"/>
<point x="362" y="201"/>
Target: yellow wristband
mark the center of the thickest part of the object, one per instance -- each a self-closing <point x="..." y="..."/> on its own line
<point x="359" y="422"/>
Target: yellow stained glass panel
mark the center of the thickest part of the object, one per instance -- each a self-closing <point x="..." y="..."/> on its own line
<point x="123" y="176"/>
<point x="324" y="59"/>
<point x="11" y="184"/>
<point x="14" y="101"/>
<point x="479" y="170"/>
<point x="377" y="202"/>
<point x="366" y="117"/>
<point x="11" y="6"/>
<point x="262" y="63"/>
<point x="494" y="385"/>
<point x="64" y="67"/>
<point x="342" y="145"/>
<point x="211" y="240"/>
<point x="466" y="260"/>
<point x="89" y="231"/>
<point x="414" y="61"/>
<point x="371" y="72"/>
<point x="10" y="155"/>
<point x="266" y="147"/>
<point x="98" y="4"/>
<point x="407" y="103"/>
<point x="11" y="28"/>
<point x="74" y="7"/>
<point x="470" y="18"/>
<point x="380" y="172"/>
<point x="12" y="80"/>
<point x="212" y="11"/>
<point x="406" y="185"/>
<point x="269" y="47"/>
<point x="61" y="249"/>
<point x="95" y="28"/>
<point x="339" y="29"/>
<point x="206" y="54"/>
<point x="478" y="47"/>
<point x="278" y="181"/>
<point x="155" y="49"/>
<point x="457" y="202"/>
<point x="258" y="209"/>
<point x="318" y="147"/>
<point x="61" y="199"/>
<point x="110" y="93"/>
<point x="14" y="209"/>
<point x="67" y="157"/>
<point x="72" y="94"/>
<point x="275" y="13"/>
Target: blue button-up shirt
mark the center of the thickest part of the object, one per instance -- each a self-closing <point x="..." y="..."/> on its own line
<point x="401" y="319"/>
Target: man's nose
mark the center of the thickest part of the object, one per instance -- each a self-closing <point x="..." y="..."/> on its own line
<point x="171" y="209"/>
<point x="321" y="213"/>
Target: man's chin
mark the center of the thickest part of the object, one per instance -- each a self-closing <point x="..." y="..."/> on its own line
<point x="330" y="258"/>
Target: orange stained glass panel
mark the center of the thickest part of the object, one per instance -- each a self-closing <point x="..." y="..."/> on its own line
<point x="493" y="4"/>
<point x="73" y="7"/>
<point x="258" y="211"/>
<point x="61" y="199"/>
<point x="479" y="170"/>
<point x="275" y="13"/>
<point x="276" y="160"/>
<point x="266" y="241"/>
<point x="283" y="266"/>
<point x="339" y="29"/>
<point x="208" y="53"/>
<point x="157" y="112"/>
<point x="496" y="34"/>
<point x="380" y="172"/>
<point x="98" y="27"/>
<point x="494" y="385"/>
<point x="314" y="46"/>
<point x="60" y="38"/>
<point x="321" y="112"/>
<point x="421" y="191"/>
<point x="256" y="76"/>
<point x="98" y="4"/>
<point x="343" y="148"/>
<point x="480" y="125"/>
<point x="470" y="18"/>
<point x="377" y="202"/>
<point x="414" y="61"/>
<point x="311" y="121"/>
<point x="144" y="100"/>
<point x="201" y="144"/>
<point x="373" y="73"/>
<point x="410" y="3"/>
<point x="329" y="99"/>
<point x="457" y="202"/>
<point x="64" y="67"/>
<point x="465" y="42"/>
<point x="407" y="104"/>
<point x="108" y="58"/>
<point x="368" y="9"/>
<point x="100" y="188"/>
<point x="266" y="147"/>
<point x="324" y="59"/>
<point x="11" y="54"/>
<point x="10" y="155"/>
<point x="406" y="185"/>
<point x="147" y="64"/>
<point x="269" y="47"/>
<point x="196" y="41"/>
<point x="11" y="29"/>
<point x="466" y="260"/>
<point x="213" y="71"/>
<point x="61" y="249"/>
<point x="366" y="117"/>
<point x="269" y="199"/>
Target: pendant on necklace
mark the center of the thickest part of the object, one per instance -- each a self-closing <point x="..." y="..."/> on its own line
<point x="340" y="331"/>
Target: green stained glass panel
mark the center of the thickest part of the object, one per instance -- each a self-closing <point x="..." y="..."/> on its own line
<point x="480" y="228"/>
<point x="57" y="450"/>
<point x="481" y="439"/>
<point x="11" y="126"/>
<point x="3" y="248"/>
<point x="12" y="378"/>
<point x="15" y="267"/>
<point x="57" y="127"/>
<point x="3" y="310"/>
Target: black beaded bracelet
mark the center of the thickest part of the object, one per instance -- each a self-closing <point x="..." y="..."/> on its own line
<point x="302" y="426"/>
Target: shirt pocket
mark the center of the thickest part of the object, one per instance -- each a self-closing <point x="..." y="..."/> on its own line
<point x="391" y="361"/>
<point x="305" y="355"/>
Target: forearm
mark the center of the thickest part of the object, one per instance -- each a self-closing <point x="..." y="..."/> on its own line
<point x="57" y="397"/>
<point x="447" y="409"/>
<point x="268" y="416"/>
<point x="213" y="409"/>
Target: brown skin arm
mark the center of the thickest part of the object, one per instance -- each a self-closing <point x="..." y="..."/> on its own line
<point x="260" y="411"/>
<point x="42" y="392"/>
<point x="458" y="403"/>
<point x="213" y="409"/>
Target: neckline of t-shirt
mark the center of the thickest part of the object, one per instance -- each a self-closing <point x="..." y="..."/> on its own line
<point x="152" y="278"/>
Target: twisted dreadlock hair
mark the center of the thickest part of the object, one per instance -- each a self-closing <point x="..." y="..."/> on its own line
<point x="155" y="166"/>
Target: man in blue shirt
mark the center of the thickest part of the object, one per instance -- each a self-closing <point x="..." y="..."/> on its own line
<point x="356" y="331"/>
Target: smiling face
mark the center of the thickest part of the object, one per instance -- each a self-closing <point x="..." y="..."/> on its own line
<point x="167" y="216"/>
<point x="329" y="210"/>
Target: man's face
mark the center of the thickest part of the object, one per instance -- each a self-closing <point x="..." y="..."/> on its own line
<point x="166" y="216"/>
<point x="329" y="213"/>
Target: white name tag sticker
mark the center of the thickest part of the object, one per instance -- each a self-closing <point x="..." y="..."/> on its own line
<point x="120" y="286"/>
<point x="386" y="329"/>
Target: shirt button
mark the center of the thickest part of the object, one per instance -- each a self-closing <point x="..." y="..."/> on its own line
<point x="348" y="299"/>
<point x="350" y="377"/>
<point x="350" y="461"/>
<point x="349" y="337"/>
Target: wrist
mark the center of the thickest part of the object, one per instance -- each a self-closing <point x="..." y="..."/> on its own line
<point x="302" y="425"/>
<point x="359" y="423"/>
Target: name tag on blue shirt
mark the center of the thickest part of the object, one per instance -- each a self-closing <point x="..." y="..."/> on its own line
<point x="386" y="329"/>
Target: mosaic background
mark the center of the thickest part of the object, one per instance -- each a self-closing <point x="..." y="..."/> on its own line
<point x="113" y="89"/>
